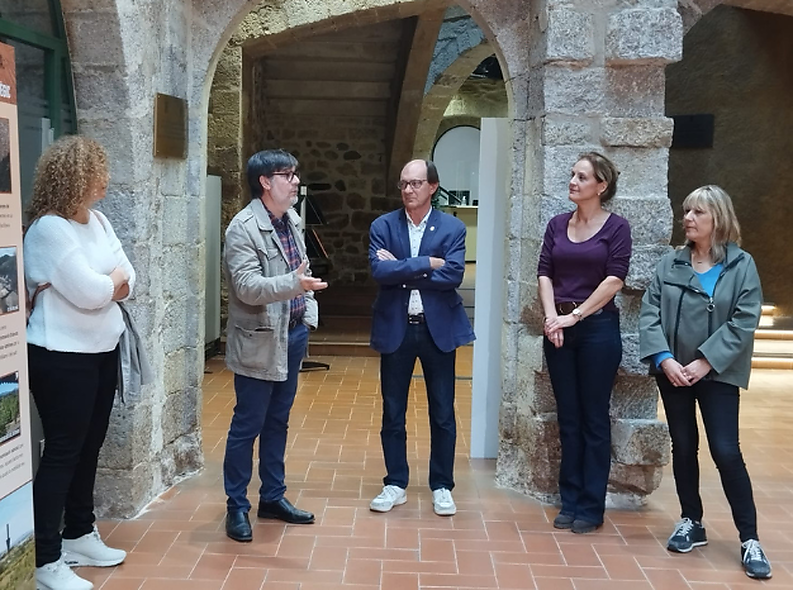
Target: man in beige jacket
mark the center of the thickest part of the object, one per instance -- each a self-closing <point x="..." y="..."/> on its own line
<point x="271" y="308"/>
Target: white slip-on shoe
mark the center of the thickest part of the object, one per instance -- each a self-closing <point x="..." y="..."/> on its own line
<point x="59" y="576"/>
<point x="390" y="496"/>
<point x="90" y="550"/>
<point x="443" y="503"/>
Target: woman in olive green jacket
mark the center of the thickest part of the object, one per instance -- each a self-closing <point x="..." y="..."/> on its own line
<point x="696" y="330"/>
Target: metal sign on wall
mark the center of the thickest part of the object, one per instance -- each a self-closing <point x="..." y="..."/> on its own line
<point x="17" y="554"/>
<point x="170" y="126"/>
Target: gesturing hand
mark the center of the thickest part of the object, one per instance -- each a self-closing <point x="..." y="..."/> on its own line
<point x="307" y="282"/>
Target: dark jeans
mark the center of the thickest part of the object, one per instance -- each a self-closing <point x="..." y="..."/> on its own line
<point x="262" y="410"/>
<point x="396" y="372"/>
<point x="582" y="373"/>
<point x="718" y="404"/>
<point x="74" y="396"/>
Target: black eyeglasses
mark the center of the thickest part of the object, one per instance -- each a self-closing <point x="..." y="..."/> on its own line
<point x="414" y="184"/>
<point x="290" y="176"/>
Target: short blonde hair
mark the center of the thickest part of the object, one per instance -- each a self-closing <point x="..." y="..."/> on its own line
<point x="65" y="174"/>
<point x="726" y="229"/>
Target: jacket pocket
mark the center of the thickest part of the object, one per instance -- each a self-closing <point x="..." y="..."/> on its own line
<point x="256" y="347"/>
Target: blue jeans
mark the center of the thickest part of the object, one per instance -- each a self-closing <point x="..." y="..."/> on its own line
<point x="582" y="374"/>
<point x="718" y="404"/>
<point x="396" y="372"/>
<point x="262" y="410"/>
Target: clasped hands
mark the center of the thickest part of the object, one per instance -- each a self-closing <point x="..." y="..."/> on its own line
<point x="383" y="254"/>
<point x="553" y="328"/>
<point x="684" y="376"/>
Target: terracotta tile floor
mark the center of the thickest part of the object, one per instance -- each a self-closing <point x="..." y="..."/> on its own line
<point x="498" y="539"/>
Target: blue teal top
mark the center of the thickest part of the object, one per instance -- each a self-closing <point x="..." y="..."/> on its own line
<point x="708" y="281"/>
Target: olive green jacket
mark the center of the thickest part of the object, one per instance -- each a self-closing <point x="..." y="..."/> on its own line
<point x="678" y="316"/>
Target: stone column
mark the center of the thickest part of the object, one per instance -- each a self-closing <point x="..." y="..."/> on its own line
<point x="122" y="54"/>
<point x="596" y="83"/>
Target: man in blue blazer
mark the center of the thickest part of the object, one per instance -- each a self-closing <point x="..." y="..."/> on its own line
<point x="417" y="255"/>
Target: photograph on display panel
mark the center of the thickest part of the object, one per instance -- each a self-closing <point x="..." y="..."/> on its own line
<point x="9" y="280"/>
<point x="17" y="556"/>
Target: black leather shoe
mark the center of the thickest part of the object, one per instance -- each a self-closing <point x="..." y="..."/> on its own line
<point x="283" y="510"/>
<point x="238" y="527"/>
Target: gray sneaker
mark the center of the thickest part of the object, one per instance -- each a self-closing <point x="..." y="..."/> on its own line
<point x="687" y="535"/>
<point x="755" y="563"/>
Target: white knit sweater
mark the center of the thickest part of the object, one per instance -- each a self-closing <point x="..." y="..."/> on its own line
<point x="77" y="313"/>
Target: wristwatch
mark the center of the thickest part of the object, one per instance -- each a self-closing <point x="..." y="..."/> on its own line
<point x="579" y="315"/>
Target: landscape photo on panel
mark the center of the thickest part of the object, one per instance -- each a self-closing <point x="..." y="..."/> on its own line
<point x="9" y="281"/>
<point x="10" y="417"/>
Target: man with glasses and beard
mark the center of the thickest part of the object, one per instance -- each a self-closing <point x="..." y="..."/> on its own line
<point x="417" y="255"/>
<point x="271" y="307"/>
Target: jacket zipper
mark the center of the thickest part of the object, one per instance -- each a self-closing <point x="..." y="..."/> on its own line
<point x="711" y="306"/>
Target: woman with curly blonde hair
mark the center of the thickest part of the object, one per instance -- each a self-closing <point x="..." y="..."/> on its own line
<point x="76" y="264"/>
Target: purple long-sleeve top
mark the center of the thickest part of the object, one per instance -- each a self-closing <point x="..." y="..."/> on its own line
<point x="577" y="268"/>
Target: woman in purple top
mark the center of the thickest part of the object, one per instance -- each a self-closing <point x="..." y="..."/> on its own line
<point x="583" y="263"/>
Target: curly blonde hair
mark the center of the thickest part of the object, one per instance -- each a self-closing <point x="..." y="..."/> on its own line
<point x="66" y="174"/>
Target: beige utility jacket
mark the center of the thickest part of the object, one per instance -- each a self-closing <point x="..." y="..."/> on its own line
<point x="260" y="286"/>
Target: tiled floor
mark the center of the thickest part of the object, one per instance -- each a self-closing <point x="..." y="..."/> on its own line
<point x="498" y="539"/>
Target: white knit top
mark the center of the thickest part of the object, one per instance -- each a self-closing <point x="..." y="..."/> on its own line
<point x="77" y="313"/>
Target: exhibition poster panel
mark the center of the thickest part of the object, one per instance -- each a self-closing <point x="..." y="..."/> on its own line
<point x="17" y="558"/>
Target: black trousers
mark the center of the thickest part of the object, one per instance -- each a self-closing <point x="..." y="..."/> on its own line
<point x="74" y="396"/>
<point x="718" y="404"/>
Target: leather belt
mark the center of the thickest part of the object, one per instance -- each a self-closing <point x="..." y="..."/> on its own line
<point x="417" y="319"/>
<point x="566" y="307"/>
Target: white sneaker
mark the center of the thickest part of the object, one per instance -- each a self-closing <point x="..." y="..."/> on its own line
<point x="390" y="496"/>
<point x="91" y="550"/>
<point x="59" y="576"/>
<point x="443" y="503"/>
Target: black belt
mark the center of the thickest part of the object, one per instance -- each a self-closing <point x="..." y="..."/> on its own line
<point x="417" y="319"/>
<point x="566" y="307"/>
<point x="295" y="323"/>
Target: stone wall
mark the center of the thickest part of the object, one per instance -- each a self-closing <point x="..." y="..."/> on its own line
<point x="121" y="55"/>
<point x="734" y="67"/>
<point x="597" y="80"/>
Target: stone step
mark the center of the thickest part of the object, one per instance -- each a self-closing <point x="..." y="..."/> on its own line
<point x="340" y="348"/>
<point x="767" y="362"/>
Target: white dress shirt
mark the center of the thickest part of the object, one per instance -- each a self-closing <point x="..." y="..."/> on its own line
<point x="416" y="233"/>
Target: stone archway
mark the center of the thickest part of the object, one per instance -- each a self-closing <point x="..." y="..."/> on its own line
<point x="437" y="98"/>
<point x="597" y="80"/>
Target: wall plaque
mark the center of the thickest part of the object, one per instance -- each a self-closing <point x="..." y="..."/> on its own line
<point x="170" y="126"/>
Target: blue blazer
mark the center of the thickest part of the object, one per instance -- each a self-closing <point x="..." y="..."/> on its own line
<point x="444" y="238"/>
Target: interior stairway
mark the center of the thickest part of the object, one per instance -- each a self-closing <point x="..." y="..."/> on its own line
<point x="773" y="341"/>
